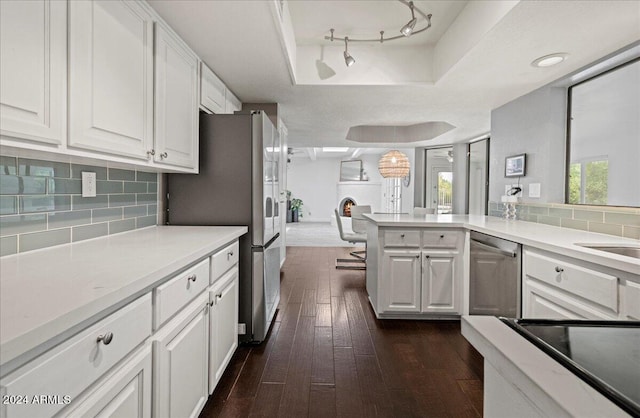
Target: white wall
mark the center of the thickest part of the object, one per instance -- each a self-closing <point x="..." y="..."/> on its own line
<point x="315" y="183"/>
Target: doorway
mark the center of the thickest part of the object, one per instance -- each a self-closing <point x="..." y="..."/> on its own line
<point x="439" y="180"/>
<point x="478" y="178"/>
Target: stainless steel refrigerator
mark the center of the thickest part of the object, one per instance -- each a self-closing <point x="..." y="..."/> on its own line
<point x="238" y="185"/>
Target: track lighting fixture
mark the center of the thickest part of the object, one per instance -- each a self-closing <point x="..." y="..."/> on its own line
<point x="348" y="59"/>
<point x="407" y="30"/>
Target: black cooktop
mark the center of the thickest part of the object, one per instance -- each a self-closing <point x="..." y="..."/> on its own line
<point x="605" y="354"/>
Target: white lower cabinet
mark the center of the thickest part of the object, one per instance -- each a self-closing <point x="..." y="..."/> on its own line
<point x="417" y="272"/>
<point x="126" y="392"/>
<point x="181" y="359"/>
<point x="541" y="301"/>
<point x="564" y="288"/>
<point x="440" y="291"/>
<point x="401" y="270"/>
<point x="73" y="366"/>
<point x="223" y="320"/>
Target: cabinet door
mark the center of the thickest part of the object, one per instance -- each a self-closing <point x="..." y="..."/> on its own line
<point x="439" y="284"/>
<point x="33" y="70"/>
<point x="223" y="299"/>
<point x="181" y="360"/>
<point x="541" y="301"/>
<point x="232" y="103"/>
<point x="212" y="92"/>
<point x="111" y="77"/>
<point x="401" y="281"/>
<point x="125" y="392"/>
<point x="176" y="101"/>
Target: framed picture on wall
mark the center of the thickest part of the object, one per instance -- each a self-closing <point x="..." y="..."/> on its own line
<point x="515" y="166"/>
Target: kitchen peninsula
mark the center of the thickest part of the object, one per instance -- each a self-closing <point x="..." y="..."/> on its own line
<point x="417" y="268"/>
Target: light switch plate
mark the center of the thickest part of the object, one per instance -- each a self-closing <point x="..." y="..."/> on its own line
<point x="534" y="190"/>
<point x="88" y="184"/>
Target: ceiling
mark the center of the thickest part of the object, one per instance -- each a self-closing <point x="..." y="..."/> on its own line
<point x="475" y="58"/>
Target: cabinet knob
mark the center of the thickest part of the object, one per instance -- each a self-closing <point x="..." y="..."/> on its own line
<point x="417" y="256"/>
<point x="105" y="338"/>
<point x="192" y="278"/>
<point x="442" y="236"/>
<point x="559" y="269"/>
<point x="164" y="155"/>
<point x="426" y="256"/>
<point x="401" y="235"/>
<point x="211" y="303"/>
<point x="150" y="153"/>
<point x="219" y="296"/>
<point x="230" y="254"/>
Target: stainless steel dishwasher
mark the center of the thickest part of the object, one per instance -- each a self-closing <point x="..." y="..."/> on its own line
<point x="494" y="276"/>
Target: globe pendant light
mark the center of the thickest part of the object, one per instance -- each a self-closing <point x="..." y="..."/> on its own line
<point x="394" y="164"/>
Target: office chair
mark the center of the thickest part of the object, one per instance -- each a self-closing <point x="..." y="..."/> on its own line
<point x="352" y="238"/>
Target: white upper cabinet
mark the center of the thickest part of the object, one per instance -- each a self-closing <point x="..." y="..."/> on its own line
<point x="213" y="92"/>
<point x="176" y="101"/>
<point x="111" y="77"/>
<point x="232" y="103"/>
<point x="33" y="70"/>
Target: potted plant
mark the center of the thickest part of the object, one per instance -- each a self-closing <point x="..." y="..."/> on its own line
<point x="296" y="209"/>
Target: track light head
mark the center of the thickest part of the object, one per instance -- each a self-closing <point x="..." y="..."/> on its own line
<point x="348" y="59"/>
<point x="407" y="29"/>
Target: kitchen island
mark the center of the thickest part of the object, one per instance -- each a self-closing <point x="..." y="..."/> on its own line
<point x="418" y="268"/>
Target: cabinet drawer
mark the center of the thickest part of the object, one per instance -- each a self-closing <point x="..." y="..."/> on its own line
<point x="591" y="285"/>
<point x="399" y="238"/>
<point x="71" y="367"/>
<point x="177" y="292"/>
<point x="223" y="260"/>
<point x="441" y="239"/>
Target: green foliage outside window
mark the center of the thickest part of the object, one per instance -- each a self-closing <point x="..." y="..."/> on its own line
<point x="594" y="175"/>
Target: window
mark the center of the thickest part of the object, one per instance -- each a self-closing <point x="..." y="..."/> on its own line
<point x="604" y="138"/>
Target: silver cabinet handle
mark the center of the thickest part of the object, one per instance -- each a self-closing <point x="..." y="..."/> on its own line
<point x="559" y="269"/>
<point x="105" y="338"/>
<point x="192" y="278"/>
<point x="164" y="155"/>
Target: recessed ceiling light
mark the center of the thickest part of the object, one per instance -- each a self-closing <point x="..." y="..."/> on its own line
<point x="549" y="60"/>
<point x="335" y="149"/>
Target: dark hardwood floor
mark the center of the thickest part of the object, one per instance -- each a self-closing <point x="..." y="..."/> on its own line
<point x="328" y="356"/>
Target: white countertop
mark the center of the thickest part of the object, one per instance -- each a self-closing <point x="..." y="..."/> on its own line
<point x="543" y="380"/>
<point x="546" y="237"/>
<point x="47" y="292"/>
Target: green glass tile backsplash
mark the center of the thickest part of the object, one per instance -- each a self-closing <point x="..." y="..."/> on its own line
<point x="41" y="203"/>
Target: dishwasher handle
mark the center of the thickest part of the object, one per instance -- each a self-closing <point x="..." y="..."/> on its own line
<point x="494" y="249"/>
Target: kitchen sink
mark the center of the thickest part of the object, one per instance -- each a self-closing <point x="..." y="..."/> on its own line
<point x="626" y="250"/>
